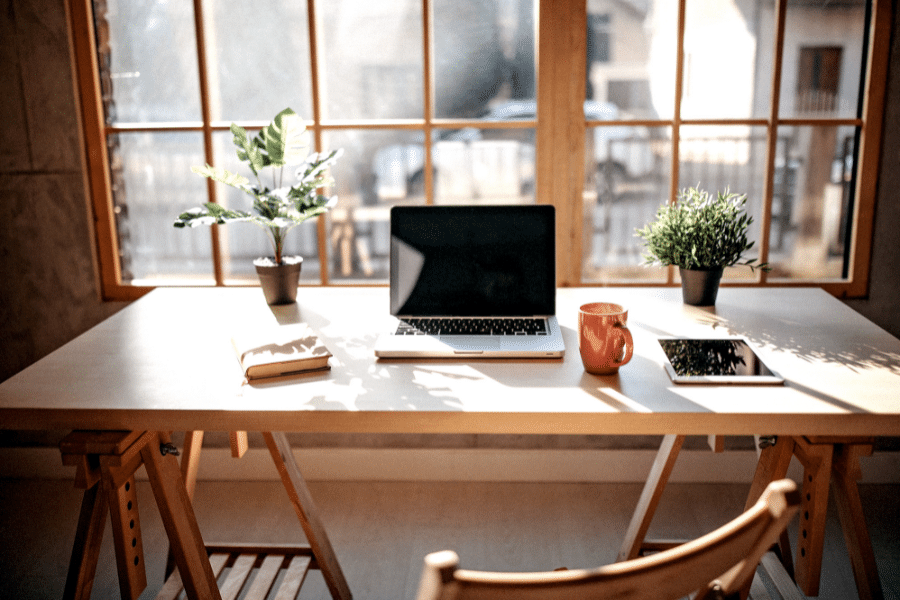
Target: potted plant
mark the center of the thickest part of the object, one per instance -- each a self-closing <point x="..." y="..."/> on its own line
<point x="279" y="208"/>
<point x="701" y="235"/>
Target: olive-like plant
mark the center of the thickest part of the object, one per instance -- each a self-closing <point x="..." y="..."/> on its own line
<point x="278" y="208"/>
<point x="700" y="232"/>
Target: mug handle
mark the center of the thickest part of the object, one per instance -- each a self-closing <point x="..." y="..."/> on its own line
<point x="629" y="344"/>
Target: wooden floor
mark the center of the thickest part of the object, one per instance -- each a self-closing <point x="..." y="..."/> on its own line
<point x="381" y="531"/>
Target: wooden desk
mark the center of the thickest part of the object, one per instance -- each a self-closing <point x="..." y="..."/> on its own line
<point x="164" y="363"/>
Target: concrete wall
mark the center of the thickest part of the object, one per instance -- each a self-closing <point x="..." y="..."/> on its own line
<point x="49" y="291"/>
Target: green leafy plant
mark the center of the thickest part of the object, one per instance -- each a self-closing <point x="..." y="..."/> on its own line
<point x="279" y="208"/>
<point x="700" y="232"/>
<point x="703" y="357"/>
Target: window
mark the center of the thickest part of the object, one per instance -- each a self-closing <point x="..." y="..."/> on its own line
<point x="439" y="101"/>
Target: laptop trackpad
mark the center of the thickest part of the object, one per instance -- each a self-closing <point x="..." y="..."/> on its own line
<point x="471" y="343"/>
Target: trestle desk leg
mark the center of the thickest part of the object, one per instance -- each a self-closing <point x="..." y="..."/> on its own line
<point x="86" y="549"/>
<point x="773" y="463"/>
<point x="816" y="461"/>
<point x="297" y="490"/>
<point x="190" y="464"/>
<point x="649" y="500"/>
<point x="179" y="521"/>
<point x="853" y="521"/>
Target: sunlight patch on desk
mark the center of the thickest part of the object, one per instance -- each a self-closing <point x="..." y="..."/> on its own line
<point x="620" y="402"/>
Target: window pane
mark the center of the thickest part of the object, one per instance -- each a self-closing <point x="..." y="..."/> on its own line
<point x="149" y="54"/>
<point x="483" y="165"/>
<point x="152" y="184"/>
<point x="370" y="59"/>
<point x="628" y="182"/>
<point x="257" y="66"/>
<point x="813" y="199"/>
<point x="716" y="158"/>
<point x="631" y="57"/>
<point x="379" y="168"/>
<point x="483" y="55"/>
<point x="727" y="60"/>
<point x="823" y="57"/>
<point x="241" y="243"/>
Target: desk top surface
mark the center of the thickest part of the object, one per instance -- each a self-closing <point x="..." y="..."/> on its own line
<point x="165" y="362"/>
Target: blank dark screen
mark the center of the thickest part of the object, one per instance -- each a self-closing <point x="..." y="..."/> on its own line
<point x="473" y="260"/>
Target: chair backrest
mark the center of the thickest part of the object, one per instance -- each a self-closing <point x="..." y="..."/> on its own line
<point x="717" y="565"/>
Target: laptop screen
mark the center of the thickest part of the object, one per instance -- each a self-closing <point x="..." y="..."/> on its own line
<point x="473" y="260"/>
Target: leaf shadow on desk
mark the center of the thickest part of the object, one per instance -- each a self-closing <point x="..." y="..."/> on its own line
<point x="354" y="355"/>
<point x="805" y="341"/>
<point x="818" y="394"/>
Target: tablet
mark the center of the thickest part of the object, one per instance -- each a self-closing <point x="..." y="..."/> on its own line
<point x="715" y="361"/>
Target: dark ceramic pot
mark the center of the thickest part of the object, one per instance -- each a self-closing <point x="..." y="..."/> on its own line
<point x="699" y="287"/>
<point x="279" y="282"/>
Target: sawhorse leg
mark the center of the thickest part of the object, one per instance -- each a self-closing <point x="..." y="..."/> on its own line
<point x="660" y="472"/>
<point x="635" y="542"/>
<point x="824" y="460"/>
<point x="853" y="522"/>
<point x="307" y="513"/>
<point x="298" y="492"/>
<point x="106" y="464"/>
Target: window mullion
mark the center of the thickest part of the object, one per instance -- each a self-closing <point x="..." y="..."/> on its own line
<point x="321" y="224"/>
<point x="207" y="134"/>
<point x="428" y="99"/>
<point x="562" y="56"/>
<point x="676" y="116"/>
<point x="772" y="137"/>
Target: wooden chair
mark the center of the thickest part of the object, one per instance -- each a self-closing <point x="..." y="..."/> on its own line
<point x="718" y="565"/>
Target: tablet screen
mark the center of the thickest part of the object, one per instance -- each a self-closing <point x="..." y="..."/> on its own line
<point x="728" y="360"/>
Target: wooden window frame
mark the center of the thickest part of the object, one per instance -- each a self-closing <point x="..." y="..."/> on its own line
<point x="560" y="138"/>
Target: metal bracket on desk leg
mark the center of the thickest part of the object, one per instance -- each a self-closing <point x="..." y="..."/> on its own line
<point x="766" y="441"/>
<point x="295" y="485"/>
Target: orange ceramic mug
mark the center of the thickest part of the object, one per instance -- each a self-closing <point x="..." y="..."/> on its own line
<point x="604" y="341"/>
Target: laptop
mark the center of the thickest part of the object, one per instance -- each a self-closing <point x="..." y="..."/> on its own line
<point x="472" y="281"/>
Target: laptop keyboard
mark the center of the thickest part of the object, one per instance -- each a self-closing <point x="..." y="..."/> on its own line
<point x="472" y="326"/>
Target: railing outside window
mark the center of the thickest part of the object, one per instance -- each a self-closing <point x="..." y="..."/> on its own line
<point x="438" y="101"/>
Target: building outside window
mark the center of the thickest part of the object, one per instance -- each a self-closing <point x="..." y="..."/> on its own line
<point x="438" y="102"/>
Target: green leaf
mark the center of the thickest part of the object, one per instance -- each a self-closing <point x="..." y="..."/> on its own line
<point x="284" y="139"/>
<point x="699" y="231"/>
<point x="210" y="213"/>
<point x="247" y="151"/>
<point x="224" y="176"/>
<point x="283" y="207"/>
